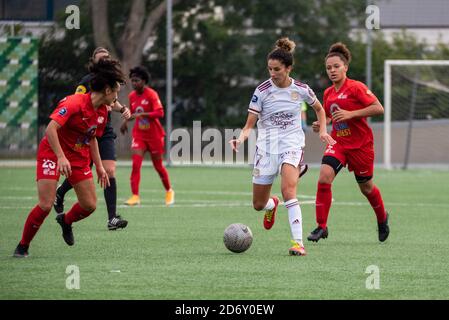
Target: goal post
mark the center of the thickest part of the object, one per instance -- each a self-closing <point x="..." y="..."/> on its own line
<point x="416" y="101"/>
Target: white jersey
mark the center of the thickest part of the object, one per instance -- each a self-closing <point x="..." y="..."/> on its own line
<point x="279" y="110"/>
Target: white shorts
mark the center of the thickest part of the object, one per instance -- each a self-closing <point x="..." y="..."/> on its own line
<point x="267" y="166"/>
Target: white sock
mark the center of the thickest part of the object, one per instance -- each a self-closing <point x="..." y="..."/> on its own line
<point x="269" y="205"/>
<point x="295" y="219"/>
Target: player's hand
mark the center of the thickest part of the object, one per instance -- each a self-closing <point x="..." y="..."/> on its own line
<point x="64" y="166"/>
<point x="103" y="178"/>
<point x="341" y="115"/>
<point x="126" y="114"/>
<point x="235" y="143"/>
<point x="316" y="126"/>
<point x="124" y="128"/>
<point x="326" y="138"/>
<point x="133" y="116"/>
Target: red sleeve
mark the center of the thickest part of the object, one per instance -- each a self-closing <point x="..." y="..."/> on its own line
<point x="65" y="109"/>
<point x="156" y="105"/>
<point x="364" y="95"/>
<point x="101" y="126"/>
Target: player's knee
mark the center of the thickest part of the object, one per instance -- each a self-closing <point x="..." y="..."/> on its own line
<point x="46" y="205"/>
<point x="366" y="188"/>
<point x="258" y="205"/>
<point x="110" y="171"/>
<point x="89" y="204"/>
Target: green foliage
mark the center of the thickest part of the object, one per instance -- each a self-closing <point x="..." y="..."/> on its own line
<point x="219" y="60"/>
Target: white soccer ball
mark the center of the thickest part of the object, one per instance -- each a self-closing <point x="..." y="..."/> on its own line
<point x="238" y="237"/>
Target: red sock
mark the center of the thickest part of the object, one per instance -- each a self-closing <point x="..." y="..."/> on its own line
<point x="135" y="173"/>
<point x="157" y="163"/>
<point x="375" y="199"/>
<point x="76" y="214"/>
<point x="323" y="203"/>
<point x="34" y="221"/>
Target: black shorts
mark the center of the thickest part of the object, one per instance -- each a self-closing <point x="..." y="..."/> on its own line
<point x="106" y="146"/>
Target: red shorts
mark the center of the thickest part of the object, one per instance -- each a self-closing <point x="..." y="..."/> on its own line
<point x="46" y="168"/>
<point x="154" y="146"/>
<point x="361" y="161"/>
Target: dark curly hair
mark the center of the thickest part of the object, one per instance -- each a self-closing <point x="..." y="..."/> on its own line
<point x="140" y="72"/>
<point x="106" y="72"/>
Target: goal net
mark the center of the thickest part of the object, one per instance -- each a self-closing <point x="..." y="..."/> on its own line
<point x="416" y="121"/>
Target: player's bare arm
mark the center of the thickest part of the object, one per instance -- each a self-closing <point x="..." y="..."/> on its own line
<point x="374" y="109"/>
<point x="322" y="122"/>
<point x="118" y="107"/>
<point x="103" y="178"/>
<point x="52" y="136"/>
<point x="250" y="123"/>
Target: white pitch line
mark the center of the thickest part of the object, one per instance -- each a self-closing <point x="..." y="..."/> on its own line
<point x="178" y="192"/>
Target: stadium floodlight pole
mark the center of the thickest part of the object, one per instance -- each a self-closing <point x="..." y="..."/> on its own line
<point x="169" y="79"/>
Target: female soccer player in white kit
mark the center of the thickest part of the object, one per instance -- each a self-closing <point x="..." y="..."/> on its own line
<point x="276" y="107"/>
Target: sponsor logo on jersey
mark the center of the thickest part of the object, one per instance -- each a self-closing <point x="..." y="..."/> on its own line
<point x="295" y="95"/>
<point x="342" y="96"/>
<point x="145" y="102"/>
<point x="254" y="99"/>
<point x="62" y="112"/>
<point x="100" y="120"/>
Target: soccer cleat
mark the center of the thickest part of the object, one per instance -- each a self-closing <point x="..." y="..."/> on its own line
<point x="135" y="199"/>
<point x="21" y="251"/>
<point x="169" y="197"/>
<point x="270" y="215"/>
<point x="116" y="223"/>
<point x="58" y="204"/>
<point x="383" y="229"/>
<point x="317" y="234"/>
<point x="67" y="233"/>
<point x="297" y="249"/>
<point x="304" y="169"/>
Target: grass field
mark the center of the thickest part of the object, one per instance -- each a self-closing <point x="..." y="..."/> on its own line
<point x="178" y="252"/>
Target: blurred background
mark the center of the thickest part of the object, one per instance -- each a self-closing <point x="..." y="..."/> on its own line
<point x="217" y="53"/>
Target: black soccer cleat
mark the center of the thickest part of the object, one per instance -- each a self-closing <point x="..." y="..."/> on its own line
<point x="67" y="233"/>
<point x="21" y="251"/>
<point x="383" y="229"/>
<point x="317" y="234"/>
<point x="58" y="204"/>
<point x="117" y="223"/>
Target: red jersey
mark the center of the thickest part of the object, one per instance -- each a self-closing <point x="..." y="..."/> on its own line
<point x="79" y="123"/>
<point x="147" y="128"/>
<point x="353" y="95"/>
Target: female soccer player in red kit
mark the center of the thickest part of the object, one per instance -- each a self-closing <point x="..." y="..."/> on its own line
<point x="148" y="134"/>
<point x="68" y="147"/>
<point x="348" y="103"/>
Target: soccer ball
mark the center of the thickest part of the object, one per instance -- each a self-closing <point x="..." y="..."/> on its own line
<point x="238" y="237"/>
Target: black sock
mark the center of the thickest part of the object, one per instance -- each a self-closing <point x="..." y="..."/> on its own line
<point x="110" y="196"/>
<point x="64" y="188"/>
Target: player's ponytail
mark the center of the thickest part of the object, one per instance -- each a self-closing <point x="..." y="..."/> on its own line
<point x="340" y="50"/>
<point x="106" y="72"/>
<point x="283" y="51"/>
